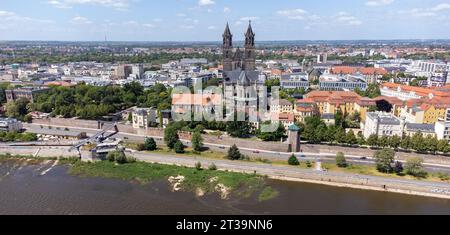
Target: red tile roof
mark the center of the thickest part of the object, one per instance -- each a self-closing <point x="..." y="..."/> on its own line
<point x="362" y="70"/>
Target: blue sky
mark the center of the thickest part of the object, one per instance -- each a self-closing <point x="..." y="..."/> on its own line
<point x="204" y="20"/>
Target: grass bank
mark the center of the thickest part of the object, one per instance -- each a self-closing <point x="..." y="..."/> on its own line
<point x="187" y="179"/>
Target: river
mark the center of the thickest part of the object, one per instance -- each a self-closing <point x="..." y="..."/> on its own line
<point x="23" y="190"/>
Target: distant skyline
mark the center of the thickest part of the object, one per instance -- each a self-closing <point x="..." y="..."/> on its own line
<point x="204" y="20"/>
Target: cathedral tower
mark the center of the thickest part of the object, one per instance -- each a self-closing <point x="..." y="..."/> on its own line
<point x="227" y="50"/>
<point x="250" y="53"/>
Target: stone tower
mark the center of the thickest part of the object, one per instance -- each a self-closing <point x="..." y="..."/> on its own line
<point x="227" y="50"/>
<point x="294" y="138"/>
<point x="249" y="53"/>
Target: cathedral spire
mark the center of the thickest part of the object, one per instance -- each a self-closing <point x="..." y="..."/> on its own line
<point x="250" y="30"/>
<point x="227" y="37"/>
<point x="227" y="30"/>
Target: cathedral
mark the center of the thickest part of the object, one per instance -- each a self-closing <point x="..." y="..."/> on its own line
<point x="241" y="79"/>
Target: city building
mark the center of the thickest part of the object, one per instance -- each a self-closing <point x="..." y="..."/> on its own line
<point x="305" y="108"/>
<point x="25" y="92"/>
<point x="10" y="125"/>
<point x="144" y="118"/>
<point x="386" y="124"/>
<point x="329" y="102"/>
<point x="371" y="75"/>
<point x="294" y="80"/>
<point x="123" y="71"/>
<point x="404" y="92"/>
<point x="442" y="127"/>
<point x="333" y="82"/>
<point x="281" y="106"/>
<point x="383" y="124"/>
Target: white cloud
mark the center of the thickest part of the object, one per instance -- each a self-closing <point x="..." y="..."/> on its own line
<point x="249" y="18"/>
<point x="295" y="14"/>
<point x="440" y="7"/>
<point x="78" y="20"/>
<point x="347" y="19"/>
<point x="212" y="27"/>
<point x="426" y="12"/>
<point x="226" y="10"/>
<point x="377" y="3"/>
<point x="206" y="2"/>
<point x="116" y="4"/>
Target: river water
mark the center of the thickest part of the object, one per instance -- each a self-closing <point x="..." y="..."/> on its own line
<point x="23" y="190"/>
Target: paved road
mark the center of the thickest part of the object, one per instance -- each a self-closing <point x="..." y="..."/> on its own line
<point x="271" y="155"/>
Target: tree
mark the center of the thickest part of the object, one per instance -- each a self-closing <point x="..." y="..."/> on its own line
<point x="383" y="141"/>
<point x="350" y="138"/>
<point x="384" y="159"/>
<point x="197" y="141"/>
<point x="406" y="143"/>
<point x="272" y="136"/>
<point x="373" y="140"/>
<point x="118" y="157"/>
<point x="395" y="141"/>
<point x="431" y="143"/>
<point x="17" y="109"/>
<point x="339" y="119"/>
<point x="150" y="144"/>
<point x="179" y="147"/>
<point x="398" y="167"/>
<point x="293" y="161"/>
<point x="418" y="143"/>
<point x="443" y="146"/>
<point x="414" y="167"/>
<point x="340" y="135"/>
<point x="234" y="153"/>
<point x="340" y="160"/>
<point x="171" y="136"/>
<point x="238" y="129"/>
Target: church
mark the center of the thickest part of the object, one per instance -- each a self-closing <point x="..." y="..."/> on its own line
<point x="242" y="82"/>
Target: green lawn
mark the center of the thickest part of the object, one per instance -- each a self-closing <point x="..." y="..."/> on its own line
<point x="143" y="173"/>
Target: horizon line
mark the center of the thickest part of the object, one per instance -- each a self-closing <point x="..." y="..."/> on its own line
<point x="219" y="41"/>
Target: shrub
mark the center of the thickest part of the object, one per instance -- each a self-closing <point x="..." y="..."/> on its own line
<point x="234" y="153"/>
<point x="150" y="144"/>
<point x="384" y="159"/>
<point x="179" y="147"/>
<point x="198" y="166"/>
<point x="309" y="164"/>
<point x="293" y="161"/>
<point x="212" y="167"/>
<point x="414" y="167"/>
<point x="398" y="167"/>
<point x="121" y="158"/>
<point x="341" y="161"/>
<point x="140" y="147"/>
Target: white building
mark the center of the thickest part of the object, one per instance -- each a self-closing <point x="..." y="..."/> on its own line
<point x="144" y="117"/>
<point x="10" y="125"/>
<point x="442" y="128"/>
<point x="383" y="124"/>
<point x="294" y="80"/>
<point x="332" y="82"/>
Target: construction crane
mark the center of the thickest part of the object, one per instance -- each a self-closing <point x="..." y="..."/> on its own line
<point x="98" y="138"/>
